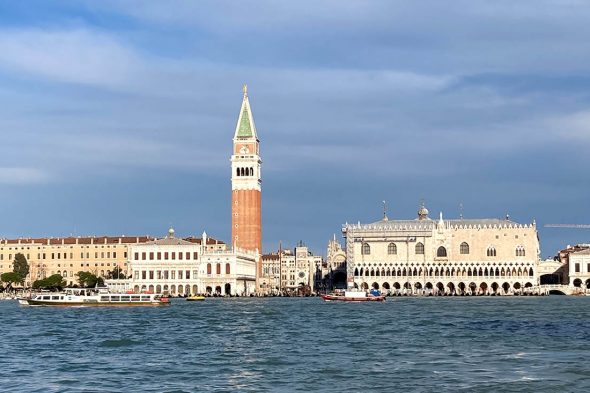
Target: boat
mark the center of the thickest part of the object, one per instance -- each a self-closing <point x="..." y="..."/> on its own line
<point x="195" y="298"/>
<point x="354" y="296"/>
<point x="93" y="297"/>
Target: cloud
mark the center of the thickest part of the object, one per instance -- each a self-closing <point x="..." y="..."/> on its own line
<point x="19" y="176"/>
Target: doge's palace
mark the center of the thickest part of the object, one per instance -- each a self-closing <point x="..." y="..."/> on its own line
<point x="458" y="256"/>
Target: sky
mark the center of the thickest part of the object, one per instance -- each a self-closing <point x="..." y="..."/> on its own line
<point x="117" y="117"/>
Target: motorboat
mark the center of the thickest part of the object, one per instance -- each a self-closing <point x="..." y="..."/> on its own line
<point x="354" y="296"/>
<point x="195" y="298"/>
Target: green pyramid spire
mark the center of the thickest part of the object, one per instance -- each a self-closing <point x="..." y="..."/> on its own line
<point x="244" y="128"/>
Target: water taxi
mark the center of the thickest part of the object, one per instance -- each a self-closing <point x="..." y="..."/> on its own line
<point x="93" y="297"/>
<point x="195" y="298"/>
<point x="354" y="296"/>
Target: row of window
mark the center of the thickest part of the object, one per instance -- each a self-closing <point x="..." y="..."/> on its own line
<point x="577" y="268"/>
<point x="441" y="252"/>
<point x="59" y="255"/>
<point x="484" y="272"/>
<point x="172" y="274"/>
<point x="167" y="255"/>
<point x="245" y="171"/>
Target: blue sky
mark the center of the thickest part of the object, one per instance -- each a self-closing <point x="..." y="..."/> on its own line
<point x="116" y="117"/>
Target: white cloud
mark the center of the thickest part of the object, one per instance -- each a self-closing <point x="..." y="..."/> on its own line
<point x="23" y="176"/>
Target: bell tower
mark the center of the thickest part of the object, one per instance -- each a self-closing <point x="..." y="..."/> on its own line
<point x="246" y="184"/>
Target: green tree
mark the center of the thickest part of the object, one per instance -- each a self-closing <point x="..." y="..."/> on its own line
<point x="116" y="273"/>
<point x="89" y="280"/>
<point x="53" y="282"/>
<point x="10" y="278"/>
<point x="20" y="266"/>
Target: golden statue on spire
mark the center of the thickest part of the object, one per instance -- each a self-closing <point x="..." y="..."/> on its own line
<point x="245" y="89"/>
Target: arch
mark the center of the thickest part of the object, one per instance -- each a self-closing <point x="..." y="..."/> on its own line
<point x="372" y="273"/>
<point x="440" y="288"/>
<point x="461" y="288"/>
<point x="173" y="289"/>
<point x="364" y="286"/>
<point x="486" y="272"/>
<point x="366" y="249"/>
<point x="517" y="285"/>
<point x="447" y="272"/>
<point x="451" y="287"/>
<point x="407" y="285"/>
<point x="431" y="271"/>
<point x="367" y="272"/>
<point x="469" y="272"/>
<point x="237" y="171"/>
<point x="531" y="273"/>
<point x="195" y="289"/>
<point x="218" y="290"/>
<point x="528" y="285"/>
<point x="158" y="288"/>
<point x="415" y="272"/>
<point x="436" y="272"/>
<point x="519" y="251"/>
<point x="441" y="252"/>
<point x="251" y="171"/>
<point x="388" y="273"/>
<point x="209" y="290"/>
<point x="396" y="285"/>
<point x="143" y="288"/>
<point x="377" y="273"/>
<point x="392" y="249"/>
<point x="491" y="252"/>
<point x="227" y="289"/>
<point x="419" y="248"/>
<point x="480" y="272"/>
<point x="418" y="285"/>
<point x="386" y="285"/>
<point x="375" y="285"/>
<point x="399" y="271"/>
<point x="588" y="283"/>
<point x="503" y="272"/>
<point x="428" y="285"/>
<point x="495" y="287"/>
<point x="404" y="272"/>
<point x="180" y="289"/>
<point x="356" y="271"/>
<point x="513" y="271"/>
<point x="136" y="289"/>
<point x="506" y="287"/>
<point x="464" y="248"/>
<point x="383" y="272"/>
<point x="483" y="288"/>
<point x="165" y="289"/>
<point x="498" y="272"/>
<point x="577" y="283"/>
<point x="452" y="271"/>
<point x="472" y="288"/>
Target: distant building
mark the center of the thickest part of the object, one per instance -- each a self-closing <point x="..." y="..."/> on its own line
<point x="481" y="256"/>
<point x="333" y="272"/>
<point x="189" y="266"/>
<point x="290" y="272"/>
<point x="68" y="255"/>
<point x="579" y="268"/>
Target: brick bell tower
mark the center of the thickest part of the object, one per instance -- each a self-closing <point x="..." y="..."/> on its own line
<point x="246" y="218"/>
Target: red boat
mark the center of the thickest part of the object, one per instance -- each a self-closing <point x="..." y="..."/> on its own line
<point x="353" y="296"/>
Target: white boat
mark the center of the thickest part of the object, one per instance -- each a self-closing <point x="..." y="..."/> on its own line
<point x="354" y="296"/>
<point x="93" y="297"/>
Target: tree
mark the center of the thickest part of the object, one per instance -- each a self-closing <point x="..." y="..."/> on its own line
<point x="116" y="273"/>
<point x="20" y="266"/>
<point x="10" y="278"/>
<point x="89" y="280"/>
<point x="53" y="282"/>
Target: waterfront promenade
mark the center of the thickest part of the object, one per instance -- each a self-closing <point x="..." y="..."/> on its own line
<point x="509" y="344"/>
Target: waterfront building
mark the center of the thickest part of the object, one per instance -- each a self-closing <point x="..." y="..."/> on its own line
<point x="68" y="255"/>
<point x="471" y="256"/>
<point x="189" y="266"/>
<point x="246" y="181"/>
<point x="290" y="272"/>
<point x="579" y="268"/>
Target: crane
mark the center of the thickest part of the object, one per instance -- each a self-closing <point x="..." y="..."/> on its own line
<point x="576" y="226"/>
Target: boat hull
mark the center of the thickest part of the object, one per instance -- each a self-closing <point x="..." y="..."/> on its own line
<point x="89" y="303"/>
<point x="332" y="298"/>
<point x="195" y="298"/>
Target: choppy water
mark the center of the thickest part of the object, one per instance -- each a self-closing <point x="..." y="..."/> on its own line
<point x="521" y="344"/>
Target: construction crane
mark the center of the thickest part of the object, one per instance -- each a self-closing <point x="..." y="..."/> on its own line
<point x="576" y="226"/>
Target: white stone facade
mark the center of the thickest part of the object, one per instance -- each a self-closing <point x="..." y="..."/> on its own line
<point x="179" y="267"/>
<point x="579" y="269"/>
<point x="488" y="256"/>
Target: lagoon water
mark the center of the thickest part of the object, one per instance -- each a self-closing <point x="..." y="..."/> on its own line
<point x="508" y="344"/>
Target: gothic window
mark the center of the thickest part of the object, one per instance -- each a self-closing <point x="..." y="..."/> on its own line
<point x="366" y="250"/>
<point x="464" y="248"/>
<point x="491" y="251"/>
<point x="227" y="268"/>
<point x="419" y="248"/>
<point x="237" y="171"/>
<point x="356" y="271"/>
<point x="392" y="249"/>
<point x="251" y="171"/>
<point x="208" y="268"/>
<point x="441" y="252"/>
<point x="520" y="251"/>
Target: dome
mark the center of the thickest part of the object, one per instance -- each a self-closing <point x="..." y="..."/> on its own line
<point x="422" y="212"/>
<point x="171" y="232"/>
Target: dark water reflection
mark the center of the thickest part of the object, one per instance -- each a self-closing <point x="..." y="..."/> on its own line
<point x="521" y="344"/>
